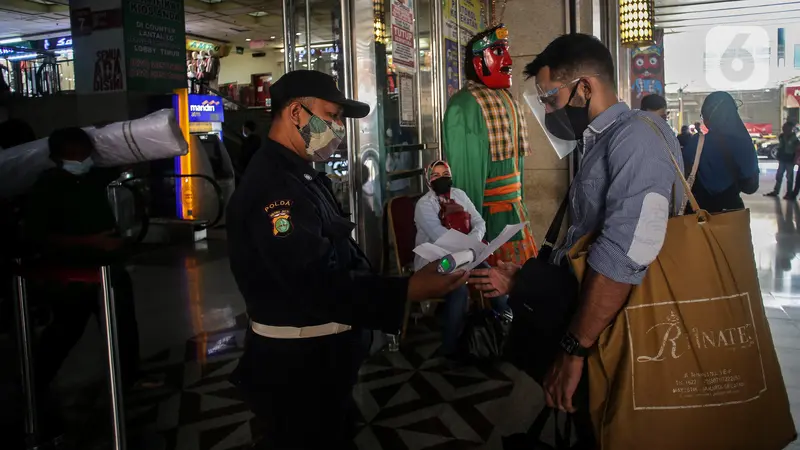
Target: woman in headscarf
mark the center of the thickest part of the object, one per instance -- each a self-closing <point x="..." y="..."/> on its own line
<point x="442" y="208"/>
<point x="728" y="164"/>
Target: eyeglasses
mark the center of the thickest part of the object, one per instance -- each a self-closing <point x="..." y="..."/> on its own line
<point x="548" y="98"/>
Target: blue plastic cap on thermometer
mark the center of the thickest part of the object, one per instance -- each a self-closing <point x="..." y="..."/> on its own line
<point x="455" y="261"/>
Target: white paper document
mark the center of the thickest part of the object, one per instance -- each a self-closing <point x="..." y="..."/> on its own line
<point x="454" y="241"/>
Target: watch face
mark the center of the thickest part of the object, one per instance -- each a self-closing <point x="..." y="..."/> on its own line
<point x="568" y="344"/>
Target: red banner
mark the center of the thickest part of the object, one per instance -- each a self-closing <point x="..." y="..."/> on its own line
<point x="758" y="128"/>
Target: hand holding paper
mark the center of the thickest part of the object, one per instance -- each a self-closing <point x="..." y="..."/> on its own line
<point x="454" y="241"/>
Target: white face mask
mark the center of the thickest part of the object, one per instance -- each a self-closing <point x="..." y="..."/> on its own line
<point x="78" y="167"/>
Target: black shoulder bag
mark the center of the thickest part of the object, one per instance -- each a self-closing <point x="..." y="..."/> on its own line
<point x="544" y="299"/>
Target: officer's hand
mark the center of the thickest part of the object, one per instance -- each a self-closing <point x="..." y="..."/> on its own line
<point x="427" y="283"/>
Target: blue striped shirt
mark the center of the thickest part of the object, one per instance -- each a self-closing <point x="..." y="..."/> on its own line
<point x="624" y="192"/>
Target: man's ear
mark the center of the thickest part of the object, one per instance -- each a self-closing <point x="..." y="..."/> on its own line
<point x="293" y="113"/>
<point x="587" y="89"/>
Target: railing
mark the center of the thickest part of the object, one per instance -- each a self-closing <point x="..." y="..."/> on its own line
<point x="33" y="77"/>
<point x="217" y="190"/>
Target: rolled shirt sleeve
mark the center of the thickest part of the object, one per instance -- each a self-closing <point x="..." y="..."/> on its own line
<point x="637" y="205"/>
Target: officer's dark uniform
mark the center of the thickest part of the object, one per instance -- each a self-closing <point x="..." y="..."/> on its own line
<point x="296" y="265"/>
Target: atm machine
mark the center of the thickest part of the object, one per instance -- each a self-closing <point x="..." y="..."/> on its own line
<point x="201" y="118"/>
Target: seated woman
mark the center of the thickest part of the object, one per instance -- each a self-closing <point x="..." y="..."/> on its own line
<point x="728" y="165"/>
<point x="444" y="207"/>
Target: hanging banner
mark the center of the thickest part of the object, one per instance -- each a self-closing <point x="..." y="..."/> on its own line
<point x="403" y="34"/>
<point x="155" y="40"/>
<point x="647" y="70"/>
<point x="451" y="55"/>
<point x="408" y="116"/>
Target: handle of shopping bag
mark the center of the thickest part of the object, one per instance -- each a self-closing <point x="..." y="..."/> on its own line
<point x="687" y="189"/>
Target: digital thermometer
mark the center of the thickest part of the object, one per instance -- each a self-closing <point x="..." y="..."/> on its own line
<point x="455" y="261"/>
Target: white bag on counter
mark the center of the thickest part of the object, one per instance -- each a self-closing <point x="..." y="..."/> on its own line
<point x="154" y="136"/>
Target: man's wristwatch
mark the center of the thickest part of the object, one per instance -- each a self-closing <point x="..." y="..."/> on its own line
<point x="571" y="345"/>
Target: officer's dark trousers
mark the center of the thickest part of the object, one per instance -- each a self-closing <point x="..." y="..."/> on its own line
<point x="301" y="390"/>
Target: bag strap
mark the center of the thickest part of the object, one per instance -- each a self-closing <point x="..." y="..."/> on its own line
<point x="555" y="227"/>
<point x="693" y="173"/>
<point x="695" y="165"/>
<point x="687" y="189"/>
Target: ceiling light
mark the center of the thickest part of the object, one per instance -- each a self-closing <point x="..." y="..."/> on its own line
<point x="11" y="40"/>
<point x="248" y="39"/>
<point x="272" y="37"/>
<point x="298" y="34"/>
<point x="258" y="14"/>
<point x="636" y="19"/>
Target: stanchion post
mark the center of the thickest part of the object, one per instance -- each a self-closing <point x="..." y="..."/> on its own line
<point x="24" y="340"/>
<point x="114" y="373"/>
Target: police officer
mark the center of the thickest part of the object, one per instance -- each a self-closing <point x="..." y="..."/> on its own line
<point x="309" y="289"/>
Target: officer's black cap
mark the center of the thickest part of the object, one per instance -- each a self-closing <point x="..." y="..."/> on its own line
<point x="310" y="83"/>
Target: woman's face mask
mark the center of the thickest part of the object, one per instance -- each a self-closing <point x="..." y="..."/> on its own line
<point x="78" y="167"/>
<point x="441" y="186"/>
<point x="322" y="137"/>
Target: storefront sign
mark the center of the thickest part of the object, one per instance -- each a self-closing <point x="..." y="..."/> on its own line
<point x="206" y="108"/>
<point x="403" y="34"/>
<point x="108" y="71"/>
<point x="792" y="97"/>
<point x="647" y="70"/>
<point x="53" y="44"/>
<point x="195" y="46"/>
<point x="155" y="44"/>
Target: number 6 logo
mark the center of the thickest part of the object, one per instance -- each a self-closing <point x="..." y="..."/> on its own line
<point x="737" y="58"/>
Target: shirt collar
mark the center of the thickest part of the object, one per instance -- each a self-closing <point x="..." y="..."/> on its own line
<point x="296" y="164"/>
<point x="607" y="118"/>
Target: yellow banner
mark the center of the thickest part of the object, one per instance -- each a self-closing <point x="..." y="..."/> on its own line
<point x="470" y="14"/>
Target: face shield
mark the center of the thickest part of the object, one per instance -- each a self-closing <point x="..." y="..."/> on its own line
<point x="552" y="117"/>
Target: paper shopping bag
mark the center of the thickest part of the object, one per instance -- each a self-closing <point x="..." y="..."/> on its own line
<point x="689" y="362"/>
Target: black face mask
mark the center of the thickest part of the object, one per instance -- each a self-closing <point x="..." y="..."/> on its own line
<point x="441" y="186"/>
<point x="569" y="122"/>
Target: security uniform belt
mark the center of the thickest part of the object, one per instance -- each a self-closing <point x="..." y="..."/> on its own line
<point x="270" y="331"/>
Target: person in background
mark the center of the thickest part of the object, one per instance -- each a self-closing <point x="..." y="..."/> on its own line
<point x="787" y="147"/>
<point x="698" y="128"/>
<point x="68" y="222"/>
<point x="655" y="104"/>
<point x="684" y="137"/>
<point x="251" y="144"/>
<point x="728" y="165"/>
<point x="442" y="208"/>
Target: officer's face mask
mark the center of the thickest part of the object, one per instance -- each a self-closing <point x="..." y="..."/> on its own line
<point x="322" y="137"/>
<point x="78" y="167"/>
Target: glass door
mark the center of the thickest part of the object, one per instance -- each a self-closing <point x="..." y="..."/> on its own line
<point x="314" y="30"/>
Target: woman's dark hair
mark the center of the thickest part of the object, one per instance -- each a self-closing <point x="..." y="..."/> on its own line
<point x="64" y="138"/>
<point x="14" y="132"/>
<point x="685" y="129"/>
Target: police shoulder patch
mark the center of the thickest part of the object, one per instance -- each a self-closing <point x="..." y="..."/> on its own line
<point x="280" y="213"/>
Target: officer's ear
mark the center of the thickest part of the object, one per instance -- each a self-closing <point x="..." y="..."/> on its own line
<point x="294" y="111"/>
